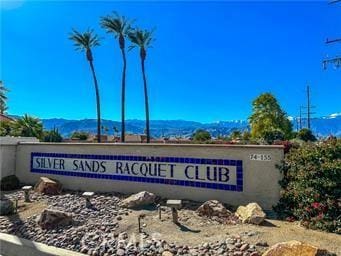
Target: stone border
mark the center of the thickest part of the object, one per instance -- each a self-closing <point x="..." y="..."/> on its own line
<point x="11" y="245"/>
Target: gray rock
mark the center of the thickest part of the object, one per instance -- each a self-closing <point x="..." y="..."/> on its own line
<point x="213" y="208"/>
<point x="50" y="218"/>
<point x="6" y="206"/>
<point x="138" y="200"/>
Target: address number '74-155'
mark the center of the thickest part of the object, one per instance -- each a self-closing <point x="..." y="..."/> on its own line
<point x="260" y="157"/>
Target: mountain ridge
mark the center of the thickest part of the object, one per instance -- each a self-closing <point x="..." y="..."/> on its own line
<point x="322" y="126"/>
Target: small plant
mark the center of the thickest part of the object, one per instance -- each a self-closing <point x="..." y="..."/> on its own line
<point x="80" y="135"/>
<point x="311" y="185"/>
<point x="305" y="135"/>
<point x="52" y="136"/>
<point x="201" y="135"/>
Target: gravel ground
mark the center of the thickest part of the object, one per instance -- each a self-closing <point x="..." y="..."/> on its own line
<point x="107" y="229"/>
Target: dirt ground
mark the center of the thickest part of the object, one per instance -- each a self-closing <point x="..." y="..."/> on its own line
<point x="194" y="230"/>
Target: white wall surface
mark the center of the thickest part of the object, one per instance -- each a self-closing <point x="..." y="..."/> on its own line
<point x="260" y="178"/>
<point x="7" y="153"/>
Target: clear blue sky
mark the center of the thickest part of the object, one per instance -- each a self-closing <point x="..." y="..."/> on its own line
<point x="209" y="61"/>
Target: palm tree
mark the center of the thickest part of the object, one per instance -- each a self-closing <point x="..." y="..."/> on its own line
<point x="3" y="98"/>
<point x="120" y="27"/>
<point x="84" y="42"/>
<point x="28" y="126"/>
<point x="143" y="39"/>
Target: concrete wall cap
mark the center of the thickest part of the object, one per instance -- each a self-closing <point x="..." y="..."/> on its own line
<point x="13" y="245"/>
<point x="153" y="145"/>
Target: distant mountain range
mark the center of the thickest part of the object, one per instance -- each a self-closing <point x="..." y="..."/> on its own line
<point x="322" y="126"/>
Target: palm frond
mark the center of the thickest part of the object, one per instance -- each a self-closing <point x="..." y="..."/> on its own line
<point x="116" y="24"/>
<point x="85" y="40"/>
<point x="142" y="38"/>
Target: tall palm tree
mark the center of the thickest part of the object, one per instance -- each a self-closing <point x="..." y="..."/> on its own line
<point x="120" y="27"/>
<point x="85" y="42"/>
<point x="3" y="98"/>
<point x="143" y="39"/>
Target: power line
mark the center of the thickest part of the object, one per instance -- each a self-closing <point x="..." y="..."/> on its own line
<point x="337" y="40"/>
<point x="334" y="1"/>
<point x="336" y="61"/>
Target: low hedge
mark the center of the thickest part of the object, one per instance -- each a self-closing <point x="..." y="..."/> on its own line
<point x="311" y="185"/>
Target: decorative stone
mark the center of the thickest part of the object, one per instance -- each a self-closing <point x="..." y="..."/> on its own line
<point x="50" y="219"/>
<point x="167" y="253"/>
<point x="292" y="248"/>
<point x="6" y="206"/>
<point x="213" y="208"/>
<point x="138" y="200"/>
<point x="252" y="213"/>
<point x="48" y="186"/>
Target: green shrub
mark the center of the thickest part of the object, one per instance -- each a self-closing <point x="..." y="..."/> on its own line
<point x="271" y="135"/>
<point x="311" y="185"/>
<point x="52" y="136"/>
<point x="10" y="182"/>
<point x="305" y="135"/>
<point x="201" y="135"/>
<point x="80" y="135"/>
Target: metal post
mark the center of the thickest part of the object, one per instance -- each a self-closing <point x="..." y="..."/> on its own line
<point x="159" y="210"/>
<point x="175" y="215"/>
<point x="308" y="106"/>
<point x="139" y="221"/>
<point x="16" y="205"/>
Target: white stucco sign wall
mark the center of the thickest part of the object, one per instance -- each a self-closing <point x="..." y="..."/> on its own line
<point x="223" y="174"/>
<point x="232" y="174"/>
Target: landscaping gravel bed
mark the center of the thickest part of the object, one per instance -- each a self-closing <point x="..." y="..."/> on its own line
<point x="96" y="232"/>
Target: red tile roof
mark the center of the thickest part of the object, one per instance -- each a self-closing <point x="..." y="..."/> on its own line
<point x="6" y="118"/>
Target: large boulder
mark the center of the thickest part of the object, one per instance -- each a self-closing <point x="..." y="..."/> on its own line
<point x="138" y="200"/>
<point x="50" y="219"/>
<point x="251" y="213"/>
<point x="48" y="186"/>
<point x="6" y="206"/>
<point x="10" y="182"/>
<point x="293" y="248"/>
<point x="213" y="208"/>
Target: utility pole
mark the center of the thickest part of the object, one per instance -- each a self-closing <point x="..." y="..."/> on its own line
<point x="300" y="118"/>
<point x="336" y="61"/>
<point x="308" y="107"/>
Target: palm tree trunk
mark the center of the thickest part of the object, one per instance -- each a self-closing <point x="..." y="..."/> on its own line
<point x="97" y="103"/>
<point x="123" y="95"/>
<point x="146" y="100"/>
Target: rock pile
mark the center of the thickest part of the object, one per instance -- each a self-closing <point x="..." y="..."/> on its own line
<point x="124" y="245"/>
<point x="96" y="232"/>
<point x="215" y="210"/>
